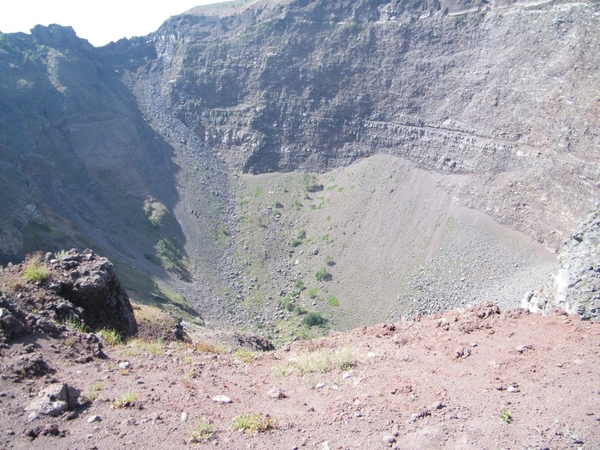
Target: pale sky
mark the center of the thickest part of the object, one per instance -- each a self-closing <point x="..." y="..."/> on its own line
<point x="100" y="22"/>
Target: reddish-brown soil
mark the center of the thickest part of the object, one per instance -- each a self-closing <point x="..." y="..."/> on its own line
<point x="434" y="382"/>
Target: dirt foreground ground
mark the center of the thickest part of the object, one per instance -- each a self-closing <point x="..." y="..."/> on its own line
<point x="470" y="379"/>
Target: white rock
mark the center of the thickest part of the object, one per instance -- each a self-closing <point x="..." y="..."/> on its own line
<point x="92" y="419"/>
<point x="184" y="417"/>
<point x="222" y="399"/>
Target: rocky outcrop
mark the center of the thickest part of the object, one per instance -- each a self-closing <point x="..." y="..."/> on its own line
<point x="90" y="283"/>
<point x="575" y="288"/>
<point x="78" y="289"/>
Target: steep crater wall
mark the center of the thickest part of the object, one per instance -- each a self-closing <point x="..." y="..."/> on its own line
<point x="507" y="93"/>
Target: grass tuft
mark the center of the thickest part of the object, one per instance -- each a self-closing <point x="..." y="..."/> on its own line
<point x="35" y="270"/>
<point x="111" y="337"/>
<point x="124" y="402"/>
<point x="202" y="431"/>
<point x="91" y="394"/>
<point x="253" y="423"/>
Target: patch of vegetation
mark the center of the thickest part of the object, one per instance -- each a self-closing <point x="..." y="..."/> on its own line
<point x="296" y="205"/>
<point x="205" y="347"/>
<point x="75" y="323"/>
<point x="322" y="274"/>
<point x="111" y="337"/>
<point x="139" y="346"/>
<point x="171" y="258"/>
<point x="61" y="254"/>
<point x="311" y="183"/>
<point x="299" y="239"/>
<point x="253" y="423"/>
<point x="322" y="362"/>
<point x="329" y="261"/>
<point x="506" y="416"/>
<point x="202" y="431"/>
<point x="299" y="284"/>
<point x="90" y="394"/>
<point x="312" y="293"/>
<point x="35" y="270"/>
<point x="124" y="402"/>
<point x="333" y="301"/>
<point x="244" y="355"/>
<point x="155" y="211"/>
<point x="314" y="319"/>
<point x="325" y="237"/>
<point x="299" y="311"/>
<point x="344" y="359"/>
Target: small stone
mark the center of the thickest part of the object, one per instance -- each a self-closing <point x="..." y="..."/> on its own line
<point x="124" y="365"/>
<point x="276" y="393"/>
<point x="512" y="389"/>
<point x="10" y="432"/>
<point x="222" y="399"/>
<point x="389" y="439"/>
<point x="522" y="348"/>
<point x="93" y="419"/>
<point x="184" y="417"/>
<point x="32" y="416"/>
<point x="320" y="385"/>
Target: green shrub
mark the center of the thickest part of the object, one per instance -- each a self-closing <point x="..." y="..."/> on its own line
<point x="321" y="274"/>
<point x="333" y="301"/>
<point x="312" y="293"/>
<point x="313" y="319"/>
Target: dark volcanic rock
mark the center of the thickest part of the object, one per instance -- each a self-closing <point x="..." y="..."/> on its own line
<point x="81" y="289"/>
<point x="258" y="343"/>
<point x="90" y="283"/>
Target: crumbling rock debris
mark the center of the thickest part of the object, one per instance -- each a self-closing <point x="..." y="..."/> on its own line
<point x="575" y="288"/>
<point x="257" y="343"/>
<point x="31" y="366"/>
<point x="45" y="430"/>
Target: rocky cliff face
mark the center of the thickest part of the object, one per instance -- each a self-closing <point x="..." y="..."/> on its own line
<point x="138" y="147"/>
<point x="575" y="287"/>
<point x="503" y="92"/>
